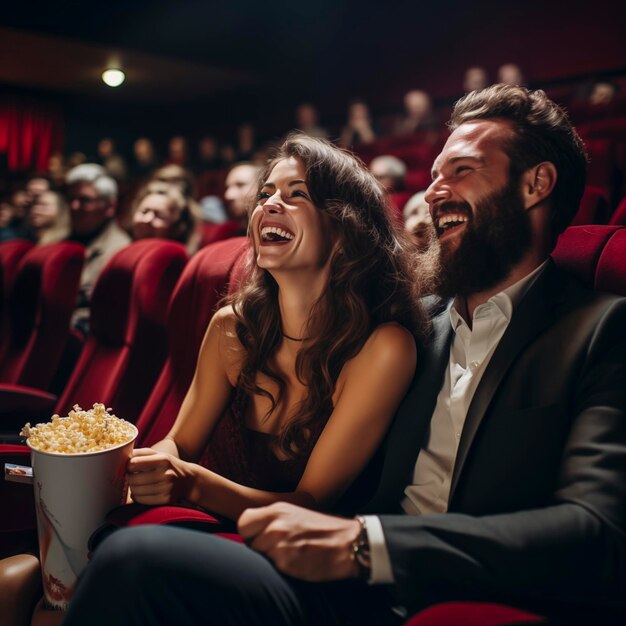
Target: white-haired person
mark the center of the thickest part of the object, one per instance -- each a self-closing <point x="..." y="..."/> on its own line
<point x="417" y="221"/>
<point x="92" y="198"/>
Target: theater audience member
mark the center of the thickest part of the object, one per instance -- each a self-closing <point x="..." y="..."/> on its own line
<point x="161" y="210"/>
<point x="57" y="170"/>
<point x="92" y="197"/>
<point x="49" y="218"/>
<point x="228" y="154"/>
<point x="418" y="113"/>
<point x="510" y="74"/>
<point x="240" y="193"/>
<point x="418" y="223"/>
<point x="10" y="224"/>
<point x="359" y="128"/>
<point x="13" y="212"/>
<point x="208" y="154"/>
<point x="35" y="186"/>
<point x="145" y="159"/>
<point x="475" y="77"/>
<point x="507" y="455"/>
<point x="246" y="145"/>
<point x="603" y="92"/>
<point x="177" y="151"/>
<point x="76" y="158"/>
<point x="389" y="171"/>
<point x="307" y="121"/>
<point x="178" y="176"/>
<point x="113" y="163"/>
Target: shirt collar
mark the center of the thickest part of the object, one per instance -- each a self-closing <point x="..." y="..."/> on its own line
<point x="505" y="300"/>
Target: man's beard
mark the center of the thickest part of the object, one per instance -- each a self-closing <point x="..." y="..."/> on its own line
<point x="495" y="239"/>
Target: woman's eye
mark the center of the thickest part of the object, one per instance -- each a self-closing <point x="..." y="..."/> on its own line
<point x="262" y="195"/>
<point x="300" y="194"/>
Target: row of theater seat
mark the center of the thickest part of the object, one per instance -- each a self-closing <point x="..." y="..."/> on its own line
<point x="140" y="355"/>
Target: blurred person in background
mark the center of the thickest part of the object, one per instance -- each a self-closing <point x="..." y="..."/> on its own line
<point x="475" y="77"/>
<point x="208" y="154"/>
<point x="161" y="210"/>
<point x="177" y="151"/>
<point x="389" y="171"/>
<point x="35" y="186"/>
<point x="57" y="169"/>
<point x="240" y="193"/>
<point x="113" y="163"/>
<point x="49" y="218"/>
<point x="418" y="113"/>
<point x="145" y="159"/>
<point x="11" y="221"/>
<point x="418" y="222"/>
<point x="245" y="142"/>
<point x="511" y="74"/>
<point x="307" y="121"/>
<point x="92" y="197"/>
<point x="602" y="92"/>
<point x="359" y="128"/>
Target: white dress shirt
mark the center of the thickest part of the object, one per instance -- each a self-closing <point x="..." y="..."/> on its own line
<point x="471" y="350"/>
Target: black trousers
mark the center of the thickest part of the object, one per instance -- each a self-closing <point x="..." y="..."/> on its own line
<point x="160" y="575"/>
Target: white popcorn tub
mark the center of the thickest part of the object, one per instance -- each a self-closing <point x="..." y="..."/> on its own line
<point x="73" y="494"/>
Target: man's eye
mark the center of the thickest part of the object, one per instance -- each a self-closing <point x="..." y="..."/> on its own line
<point x="462" y="169"/>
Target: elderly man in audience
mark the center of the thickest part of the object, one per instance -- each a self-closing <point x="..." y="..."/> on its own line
<point x="505" y="470"/>
<point x="92" y="197"/>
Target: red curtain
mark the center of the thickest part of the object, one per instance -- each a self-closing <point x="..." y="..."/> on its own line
<point x="30" y="131"/>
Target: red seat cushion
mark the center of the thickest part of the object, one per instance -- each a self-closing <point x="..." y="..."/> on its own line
<point x="473" y="614"/>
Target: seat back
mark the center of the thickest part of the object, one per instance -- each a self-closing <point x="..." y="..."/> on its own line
<point x="593" y="208"/>
<point x="127" y="342"/>
<point x="42" y="299"/>
<point x="197" y="295"/>
<point x="596" y="255"/>
<point x="11" y="253"/>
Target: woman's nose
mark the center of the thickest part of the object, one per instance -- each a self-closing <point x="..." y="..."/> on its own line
<point x="274" y="204"/>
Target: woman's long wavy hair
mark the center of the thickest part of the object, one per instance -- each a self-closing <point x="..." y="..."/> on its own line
<point x="374" y="278"/>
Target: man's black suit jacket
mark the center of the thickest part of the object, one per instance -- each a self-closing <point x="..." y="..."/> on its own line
<point x="537" y="508"/>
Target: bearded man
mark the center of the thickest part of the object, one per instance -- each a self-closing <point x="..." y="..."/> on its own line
<point x="505" y="470"/>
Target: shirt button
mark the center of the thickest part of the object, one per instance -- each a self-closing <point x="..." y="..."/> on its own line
<point x="457" y="435"/>
<point x="474" y="364"/>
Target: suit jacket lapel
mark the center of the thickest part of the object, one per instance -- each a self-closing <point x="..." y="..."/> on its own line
<point x="534" y="313"/>
<point x="410" y="427"/>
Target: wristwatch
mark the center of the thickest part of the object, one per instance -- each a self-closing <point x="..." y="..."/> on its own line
<point x="360" y="551"/>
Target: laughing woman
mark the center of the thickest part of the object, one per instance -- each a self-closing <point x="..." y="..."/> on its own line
<point x="299" y="377"/>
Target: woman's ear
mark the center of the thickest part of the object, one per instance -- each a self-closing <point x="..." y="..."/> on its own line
<point x="538" y="183"/>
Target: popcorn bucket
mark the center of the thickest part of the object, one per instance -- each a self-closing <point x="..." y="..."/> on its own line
<point x="73" y="494"/>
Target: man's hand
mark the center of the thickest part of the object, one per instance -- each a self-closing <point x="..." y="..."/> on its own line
<point x="302" y="543"/>
<point x="157" y="477"/>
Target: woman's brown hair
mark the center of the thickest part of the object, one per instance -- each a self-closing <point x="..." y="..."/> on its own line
<point x="374" y="278"/>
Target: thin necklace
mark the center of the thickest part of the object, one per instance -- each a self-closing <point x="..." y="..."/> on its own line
<point x="293" y="338"/>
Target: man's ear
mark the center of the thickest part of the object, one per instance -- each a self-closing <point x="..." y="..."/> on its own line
<point x="538" y="183"/>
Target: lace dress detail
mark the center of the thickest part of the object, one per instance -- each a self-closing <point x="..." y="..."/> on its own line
<point x="247" y="457"/>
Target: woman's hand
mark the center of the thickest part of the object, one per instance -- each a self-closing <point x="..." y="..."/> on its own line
<point x="158" y="478"/>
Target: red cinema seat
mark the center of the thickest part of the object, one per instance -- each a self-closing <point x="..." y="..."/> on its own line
<point x="42" y="299"/>
<point x="120" y="362"/>
<point x="473" y="614"/>
<point x="602" y="170"/>
<point x="211" y="233"/>
<point x="11" y="253"/>
<point x="593" y="208"/>
<point x="126" y="346"/>
<point x="200" y="289"/>
<point x="619" y="215"/>
<point x="580" y="248"/>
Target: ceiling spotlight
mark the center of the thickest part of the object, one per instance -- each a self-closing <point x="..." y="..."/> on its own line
<point x="113" y="77"/>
